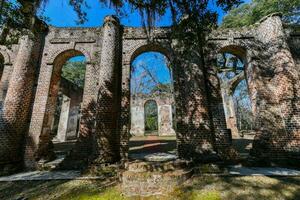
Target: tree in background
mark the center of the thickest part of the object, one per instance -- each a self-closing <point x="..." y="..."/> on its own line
<point x="248" y="14"/>
<point x="230" y="67"/>
<point x="151" y="116"/>
<point x="150" y="74"/>
<point x="74" y="72"/>
<point x="242" y="105"/>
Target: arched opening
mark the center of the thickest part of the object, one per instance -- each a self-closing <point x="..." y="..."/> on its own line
<point x="236" y="98"/>
<point x="64" y="102"/>
<point x="151" y="117"/>
<point x="152" y="106"/>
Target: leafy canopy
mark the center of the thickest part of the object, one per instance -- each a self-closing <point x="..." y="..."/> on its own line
<point x="74" y="72"/>
<point x="248" y="14"/>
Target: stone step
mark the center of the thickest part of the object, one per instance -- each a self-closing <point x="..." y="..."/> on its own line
<point x="152" y="183"/>
<point x="64" y="146"/>
<point x="143" y="166"/>
<point x="47" y="166"/>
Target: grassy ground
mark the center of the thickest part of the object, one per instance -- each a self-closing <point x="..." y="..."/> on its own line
<point x="198" y="188"/>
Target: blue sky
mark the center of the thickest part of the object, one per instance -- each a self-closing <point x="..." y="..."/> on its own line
<point x="61" y="14"/>
<point x="154" y="62"/>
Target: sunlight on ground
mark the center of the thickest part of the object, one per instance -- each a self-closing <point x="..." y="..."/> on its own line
<point x="198" y="188"/>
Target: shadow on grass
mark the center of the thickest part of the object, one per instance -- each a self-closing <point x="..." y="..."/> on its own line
<point x="57" y="189"/>
<point x="248" y="187"/>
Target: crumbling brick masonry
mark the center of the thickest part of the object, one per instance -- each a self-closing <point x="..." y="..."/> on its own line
<point x="31" y="76"/>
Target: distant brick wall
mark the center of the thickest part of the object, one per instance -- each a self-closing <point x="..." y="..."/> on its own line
<point x="165" y="108"/>
<point x="269" y="51"/>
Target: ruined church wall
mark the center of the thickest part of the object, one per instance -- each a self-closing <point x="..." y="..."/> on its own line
<point x="60" y="45"/>
<point x="165" y="107"/>
<point x="272" y="75"/>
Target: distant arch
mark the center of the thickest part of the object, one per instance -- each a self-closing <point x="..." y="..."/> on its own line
<point x="151" y="116"/>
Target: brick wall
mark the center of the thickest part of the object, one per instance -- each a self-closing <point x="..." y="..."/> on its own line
<point x="271" y="72"/>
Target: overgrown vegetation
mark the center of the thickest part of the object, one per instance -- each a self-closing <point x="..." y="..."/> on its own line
<point x="248" y="14"/>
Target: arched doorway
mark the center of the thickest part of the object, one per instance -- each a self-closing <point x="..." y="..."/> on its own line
<point x="237" y="104"/>
<point x="152" y="106"/>
<point x="63" y="107"/>
<point x="151" y="117"/>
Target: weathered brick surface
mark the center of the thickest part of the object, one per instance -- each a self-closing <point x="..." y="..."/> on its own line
<point x="17" y="104"/>
<point x="165" y="107"/>
<point x="269" y="50"/>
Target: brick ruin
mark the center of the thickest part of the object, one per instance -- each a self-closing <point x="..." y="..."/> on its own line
<point x="67" y="120"/>
<point x="30" y="83"/>
<point x="165" y="112"/>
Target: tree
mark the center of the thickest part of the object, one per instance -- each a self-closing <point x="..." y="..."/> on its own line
<point x="74" y="72"/>
<point x="248" y="14"/>
<point x="151" y="118"/>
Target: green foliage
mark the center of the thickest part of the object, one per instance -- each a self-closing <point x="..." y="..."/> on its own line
<point x="151" y="118"/>
<point x="74" y="72"/>
<point x="248" y="14"/>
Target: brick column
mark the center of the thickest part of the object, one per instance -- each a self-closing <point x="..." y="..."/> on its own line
<point x="63" y="119"/>
<point x="194" y="132"/>
<point x="220" y="131"/>
<point x="108" y="142"/>
<point x="278" y="92"/>
<point x="15" y="116"/>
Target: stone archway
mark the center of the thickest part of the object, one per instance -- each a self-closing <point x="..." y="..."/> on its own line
<point x="50" y="85"/>
<point x="132" y="49"/>
<point x="155" y="123"/>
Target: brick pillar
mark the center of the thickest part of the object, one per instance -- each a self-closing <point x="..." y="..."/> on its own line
<point x="15" y="116"/>
<point x="194" y="133"/>
<point x="229" y="110"/>
<point x="108" y="142"/>
<point x="278" y="92"/>
<point x="221" y="133"/>
<point x="63" y="120"/>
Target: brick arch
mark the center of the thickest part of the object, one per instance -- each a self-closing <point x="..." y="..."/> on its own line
<point x="236" y="50"/>
<point x="155" y="47"/>
<point x="149" y="100"/>
<point x="240" y="52"/>
<point x="162" y="48"/>
<point x="66" y="53"/>
<point x="64" y="56"/>
<point x="54" y="85"/>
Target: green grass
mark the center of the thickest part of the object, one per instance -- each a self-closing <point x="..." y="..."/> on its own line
<point x="198" y="188"/>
